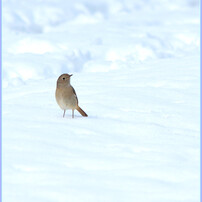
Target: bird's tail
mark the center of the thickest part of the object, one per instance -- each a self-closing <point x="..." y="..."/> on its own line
<point x="81" y="111"/>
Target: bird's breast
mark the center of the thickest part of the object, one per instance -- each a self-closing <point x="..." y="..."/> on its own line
<point x="66" y="99"/>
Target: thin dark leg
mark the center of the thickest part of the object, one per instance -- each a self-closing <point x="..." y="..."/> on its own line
<point x="64" y="114"/>
<point x="72" y="113"/>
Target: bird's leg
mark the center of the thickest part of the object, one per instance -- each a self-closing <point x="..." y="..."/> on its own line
<point x="64" y="114"/>
<point x="72" y="113"/>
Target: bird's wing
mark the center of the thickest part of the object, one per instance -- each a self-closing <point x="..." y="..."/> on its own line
<point x="75" y="94"/>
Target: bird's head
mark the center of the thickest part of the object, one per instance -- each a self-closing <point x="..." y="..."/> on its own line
<point x="64" y="80"/>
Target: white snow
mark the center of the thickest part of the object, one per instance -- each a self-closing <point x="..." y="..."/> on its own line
<point x="135" y="67"/>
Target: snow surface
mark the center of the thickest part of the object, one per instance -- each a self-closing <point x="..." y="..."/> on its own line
<point x="135" y="68"/>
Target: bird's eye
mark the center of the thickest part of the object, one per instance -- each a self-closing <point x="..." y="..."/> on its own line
<point x="63" y="78"/>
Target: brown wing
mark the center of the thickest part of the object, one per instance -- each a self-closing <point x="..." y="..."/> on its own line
<point x="75" y="95"/>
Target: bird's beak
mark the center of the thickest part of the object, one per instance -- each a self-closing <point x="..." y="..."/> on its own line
<point x="70" y="75"/>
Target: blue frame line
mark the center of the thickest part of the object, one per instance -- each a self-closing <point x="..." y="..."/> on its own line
<point x="1" y="101"/>
<point x="200" y="99"/>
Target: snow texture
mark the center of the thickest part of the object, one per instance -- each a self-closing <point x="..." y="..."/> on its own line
<point x="135" y="67"/>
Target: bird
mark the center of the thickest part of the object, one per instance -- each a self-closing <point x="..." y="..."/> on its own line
<point x="66" y="95"/>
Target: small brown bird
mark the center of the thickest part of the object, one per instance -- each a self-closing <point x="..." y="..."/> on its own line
<point x="66" y="96"/>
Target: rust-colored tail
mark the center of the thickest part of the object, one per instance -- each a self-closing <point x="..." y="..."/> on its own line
<point x="81" y="111"/>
